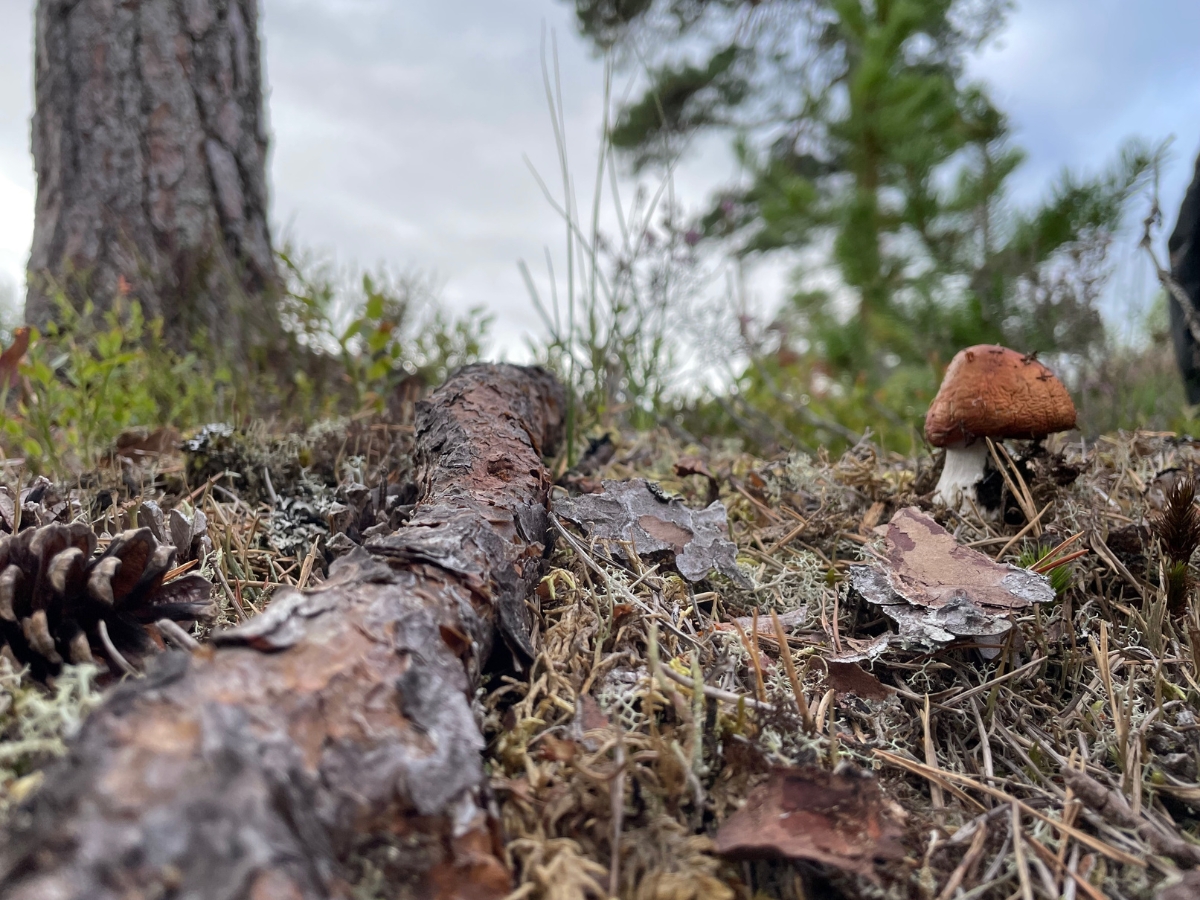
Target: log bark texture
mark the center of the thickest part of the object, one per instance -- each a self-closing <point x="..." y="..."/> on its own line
<point x="149" y="142"/>
<point x="337" y="722"/>
<point x="1184" y="249"/>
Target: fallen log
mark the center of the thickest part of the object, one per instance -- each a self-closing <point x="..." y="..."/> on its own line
<point x="337" y="721"/>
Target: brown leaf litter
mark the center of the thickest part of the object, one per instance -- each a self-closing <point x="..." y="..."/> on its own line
<point x="834" y="818"/>
<point x="645" y="722"/>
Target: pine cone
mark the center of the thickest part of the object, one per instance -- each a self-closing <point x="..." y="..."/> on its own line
<point x="38" y="504"/>
<point x="189" y="534"/>
<point x="58" y="602"/>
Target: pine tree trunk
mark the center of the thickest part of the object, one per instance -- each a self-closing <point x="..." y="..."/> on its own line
<point x="338" y="722"/>
<point x="1184" y="248"/>
<point x="150" y="143"/>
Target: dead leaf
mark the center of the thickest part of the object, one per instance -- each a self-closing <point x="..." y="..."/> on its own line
<point x="141" y="442"/>
<point x="555" y="749"/>
<point x="697" y="541"/>
<point x="10" y="359"/>
<point x="851" y="678"/>
<point x="835" y="818"/>
<point x="590" y="715"/>
<point x="622" y="610"/>
<point x="694" y="465"/>
<point x="938" y="591"/>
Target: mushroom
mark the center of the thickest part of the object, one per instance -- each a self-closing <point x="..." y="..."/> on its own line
<point x="990" y="392"/>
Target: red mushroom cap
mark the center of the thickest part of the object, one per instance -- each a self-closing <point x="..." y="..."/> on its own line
<point x="991" y="391"/>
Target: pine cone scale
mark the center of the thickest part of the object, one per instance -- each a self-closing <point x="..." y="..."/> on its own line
<point x="62" y="600"/>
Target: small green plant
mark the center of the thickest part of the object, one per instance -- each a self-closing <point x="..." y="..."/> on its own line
<point x="1060" y="576"/>
<point x="91" y="376"/>
<point x="381" y="328"/>
<point x="35" y="721"/>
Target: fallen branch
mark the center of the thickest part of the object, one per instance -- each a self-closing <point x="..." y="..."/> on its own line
<point x="339" y="721"/>
<point x="1115" y="808"/>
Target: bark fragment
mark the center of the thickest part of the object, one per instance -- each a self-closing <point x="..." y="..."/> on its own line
<point x="695" y="541"/>
<point x="338" y="720"/>
<point x="837" y="818"/>
<point x="938" y="591"/>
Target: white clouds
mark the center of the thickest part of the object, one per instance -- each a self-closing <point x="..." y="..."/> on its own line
<point x="1077" y="78"/>
<point x="16" y="167"/>
<point x="399" y="128"/>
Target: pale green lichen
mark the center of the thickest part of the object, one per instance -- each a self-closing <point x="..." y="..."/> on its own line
<point x="35" y="722"/>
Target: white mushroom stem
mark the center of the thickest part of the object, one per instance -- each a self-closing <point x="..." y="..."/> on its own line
<point x="962" y="471"/>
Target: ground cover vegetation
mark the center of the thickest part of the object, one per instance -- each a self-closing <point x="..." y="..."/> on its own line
<point x="658" y="709"/>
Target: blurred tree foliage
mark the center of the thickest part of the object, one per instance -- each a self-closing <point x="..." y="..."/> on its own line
<point x="867" y="148"/>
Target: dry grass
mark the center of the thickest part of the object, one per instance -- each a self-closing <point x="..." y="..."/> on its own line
<point x="655" y="706"/>
<point x="1103" y="682"/>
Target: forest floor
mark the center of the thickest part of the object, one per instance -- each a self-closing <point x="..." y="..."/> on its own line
<point x="661" y="718"/>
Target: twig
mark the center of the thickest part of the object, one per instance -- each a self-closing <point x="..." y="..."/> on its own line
<point x="307" y="568"/>
<point x="233" y="498"/>
<point x="113" y="653"/>
<point x="1024" y="531"/>
<point x="618" y="814"/>
<point x="787" y="538"/>
<point x="1115" y="808"/>
<point x="1083" y="837"/>
<point x="935" y="789"/>
<point x="1019" y="854"/>
<point x="785" y="653"/>
<point x="1021" y="496"/>
<point x="1113" y="563"/>
<point x="756" y="503"/>
<point x="717" y="693"/>
<point x="180" y="637"/>
<point x="270" y="487"/>
<point x="760" y="689"/>
<point x="1048" y="564"/>
<point x="960" y="871"/>
<point x="233" y="598"/>
<point x="1190" y="315"/>
<point x="932" y="774"/>
<point x="200" y="490"/>
<point x="988" y="685"/>
<point x="985" y="742"/>
<point x="180" y="570"/>
<point x="1064" y="870"/>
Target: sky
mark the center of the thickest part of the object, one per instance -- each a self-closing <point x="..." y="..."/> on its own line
<point x="401" y="131"/>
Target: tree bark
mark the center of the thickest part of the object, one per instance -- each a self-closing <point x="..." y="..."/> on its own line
<point x="337" y="722"/>
<point x="149" y="142"/>
<point x="1184" y="249"/>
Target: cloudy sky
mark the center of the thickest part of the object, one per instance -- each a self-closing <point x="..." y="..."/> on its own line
<point x="401" y="128"/>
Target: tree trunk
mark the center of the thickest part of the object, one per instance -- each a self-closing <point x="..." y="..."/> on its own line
<point x="339" y="721"/>
<point x="150" y="143"/>
<point x="1184" y="249"/>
